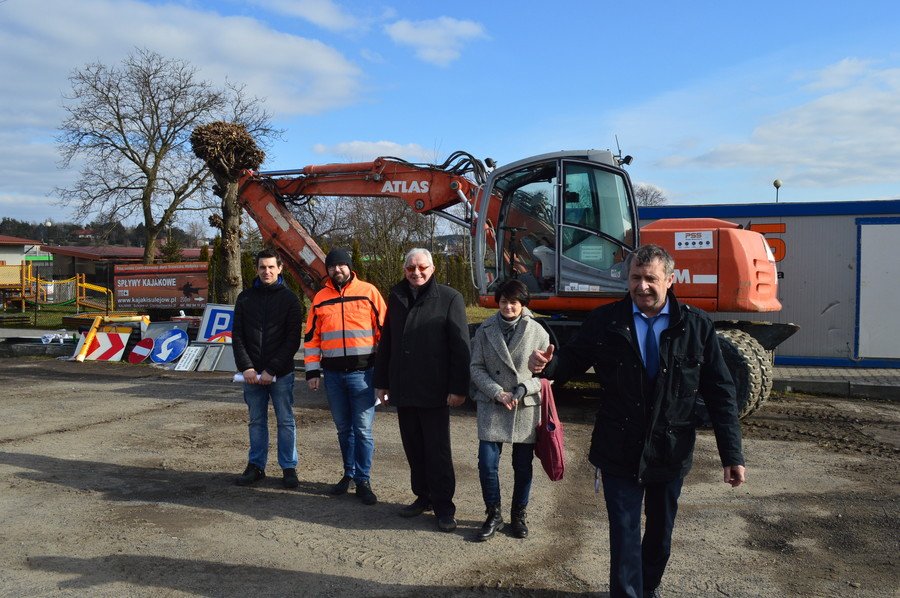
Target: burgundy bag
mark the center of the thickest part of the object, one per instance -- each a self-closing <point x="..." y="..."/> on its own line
<point x="549" y="444"/>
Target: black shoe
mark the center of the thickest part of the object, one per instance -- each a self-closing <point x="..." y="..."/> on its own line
<point x="654" y="593"/>
<point x="415" y="509"/>
<point x="290" y="478"/>
<point x="341" y="487"/>
<point x="519" y="529"/>
<point x="493" y="523"/>
<point x="250" y="476"/>
<point x="365" y="494"/>
<point x="446" y="523"/>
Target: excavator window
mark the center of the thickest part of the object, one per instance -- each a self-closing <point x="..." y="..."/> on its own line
<point x="597" y="230"/>
<point x="528" y="218"/>
<point x="563" y="234"/>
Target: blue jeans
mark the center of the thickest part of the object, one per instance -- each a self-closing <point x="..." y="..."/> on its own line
<point x="636" y="565"/>
<point x="351" y="397"/>
<point x="257" y="398"/>
<point x="488" y="462"/>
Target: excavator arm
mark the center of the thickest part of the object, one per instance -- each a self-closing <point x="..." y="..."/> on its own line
<point x="426" y="188"/>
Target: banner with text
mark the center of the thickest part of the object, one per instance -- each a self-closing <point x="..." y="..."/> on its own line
<point x="161" y="286"/>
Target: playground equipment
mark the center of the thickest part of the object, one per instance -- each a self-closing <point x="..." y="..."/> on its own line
<point x="21" y="287"/>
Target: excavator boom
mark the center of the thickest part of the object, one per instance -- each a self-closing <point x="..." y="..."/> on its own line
<point x="426" y="188"/>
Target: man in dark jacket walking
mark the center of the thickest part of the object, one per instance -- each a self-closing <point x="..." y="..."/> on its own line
<point x="653" y="358"/>
<point x="266" y="335"/>
<point x="422" y="367"/>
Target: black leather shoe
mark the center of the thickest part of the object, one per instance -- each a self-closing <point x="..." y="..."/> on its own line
<point x="250" y="476"/>
<point x="415" y="509"/>
<point x="518" y="527"/>
<point x="365" y="494"/>
<point x="290" y="478"/>
<point x="446" y="523"/>
<point x="341" y="487"/>
<point x="493" y="523"/>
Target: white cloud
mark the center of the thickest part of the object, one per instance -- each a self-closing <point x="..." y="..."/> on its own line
<point x="371" y="56"/>
<point x="42" y="43"/>
<point x="838" y="75"/>
<point x="847" y="136"/>
<point x="324" y="13"/>
<point x="438" y="41"/>
<point x="833" y="131"/>
<point x="358" y="151"/>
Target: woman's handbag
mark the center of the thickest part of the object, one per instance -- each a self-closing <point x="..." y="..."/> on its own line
<point x="549" y="444"/>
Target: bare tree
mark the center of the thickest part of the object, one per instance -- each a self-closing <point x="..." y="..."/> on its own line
<point x="386" y="228"/>
<point x="228" y="149"/>
<point x="196" y="232"/>
<point x="325" y="217"/>
<point x="129" y="127"/>
<point x="646" y="194"/>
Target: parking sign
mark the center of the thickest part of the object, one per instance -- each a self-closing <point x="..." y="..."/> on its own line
<point x="217" y="320"/>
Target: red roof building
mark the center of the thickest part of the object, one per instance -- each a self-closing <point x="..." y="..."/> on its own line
<point x="96" y="262"/>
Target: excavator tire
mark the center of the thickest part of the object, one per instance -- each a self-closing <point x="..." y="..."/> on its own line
<point x="767" y="374"/>
<point x="744" y="357"/>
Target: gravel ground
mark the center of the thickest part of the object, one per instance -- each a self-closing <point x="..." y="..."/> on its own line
<point x="116" y="480"/>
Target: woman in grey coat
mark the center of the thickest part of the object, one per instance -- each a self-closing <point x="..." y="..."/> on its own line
<point x="508" y="399"/>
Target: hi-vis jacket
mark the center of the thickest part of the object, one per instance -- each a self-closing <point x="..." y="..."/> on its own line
<point x="343" y="328"/>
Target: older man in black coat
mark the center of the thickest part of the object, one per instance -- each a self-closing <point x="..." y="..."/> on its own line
<point x="422" y="367"/>
<point x="653" y="357"/>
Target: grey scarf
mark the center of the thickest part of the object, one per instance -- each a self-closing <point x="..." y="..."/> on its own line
<point x="508" y="328"/>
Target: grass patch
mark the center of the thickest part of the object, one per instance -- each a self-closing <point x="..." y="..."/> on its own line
<point x="476" y="314"/>
<point x="49" y="317"/>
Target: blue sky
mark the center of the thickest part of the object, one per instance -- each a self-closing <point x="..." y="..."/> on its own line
<point x="713" y="99"/>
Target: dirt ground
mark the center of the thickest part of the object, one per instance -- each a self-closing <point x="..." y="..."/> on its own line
<point x="116" y="480"/>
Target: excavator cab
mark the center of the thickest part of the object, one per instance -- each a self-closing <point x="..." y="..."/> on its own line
<point x="566" y="222"/>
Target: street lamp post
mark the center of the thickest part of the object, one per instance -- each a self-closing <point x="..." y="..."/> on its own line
<point x="777" y="184"/>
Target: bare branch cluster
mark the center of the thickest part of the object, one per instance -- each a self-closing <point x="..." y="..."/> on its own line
<point x="227" y="148"/>
<point x="646" y="194"/>
<point x="128" y="129"/>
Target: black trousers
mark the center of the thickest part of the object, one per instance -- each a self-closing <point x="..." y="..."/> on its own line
<point x="637" y="564"/>
<point x="425" y="432"/>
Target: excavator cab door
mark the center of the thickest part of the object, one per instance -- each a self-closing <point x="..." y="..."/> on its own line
<point x="596" y="230"/>
<point x="564" y="227"/>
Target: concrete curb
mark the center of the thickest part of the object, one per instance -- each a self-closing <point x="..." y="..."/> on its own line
<point x="36" y="349"/>
<point x="839" y="388"/>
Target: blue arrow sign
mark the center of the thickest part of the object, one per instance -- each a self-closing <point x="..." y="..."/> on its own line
<point x="169" y="346"/>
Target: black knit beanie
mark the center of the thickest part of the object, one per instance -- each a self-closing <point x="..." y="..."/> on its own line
<point x="338" y="256"/>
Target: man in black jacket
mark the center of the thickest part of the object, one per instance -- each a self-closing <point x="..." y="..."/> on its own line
<point x="422" y="366"/>
<point x="266" y="335"/>
<point x="653" y="358"/>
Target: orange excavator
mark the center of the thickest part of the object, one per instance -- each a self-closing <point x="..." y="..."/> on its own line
<point x="562" y="223"/>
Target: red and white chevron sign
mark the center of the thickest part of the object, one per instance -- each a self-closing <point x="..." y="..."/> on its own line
<point x="107" y="346"/>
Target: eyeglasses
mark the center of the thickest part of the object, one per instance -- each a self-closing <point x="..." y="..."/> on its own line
<point x="421" y="268"/>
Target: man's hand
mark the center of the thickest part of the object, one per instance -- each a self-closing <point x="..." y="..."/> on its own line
<point x="265" y="378"/>
<point x="381" y="396"/>
<point x="250" y="376"/>
<point x="734" y="475"/>
<point x="313" y="384"/>
<point x="455" y="400"/>
<point x="538" y="360"/>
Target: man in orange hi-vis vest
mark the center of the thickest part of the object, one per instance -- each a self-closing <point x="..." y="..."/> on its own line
<point x="342" y="332"/>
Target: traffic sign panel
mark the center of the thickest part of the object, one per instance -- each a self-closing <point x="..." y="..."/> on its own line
<point x="217" y="319"/>
<point x="141" y="351"/>
<point x="169" y="346"/>
<point x="107" y="346"/>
